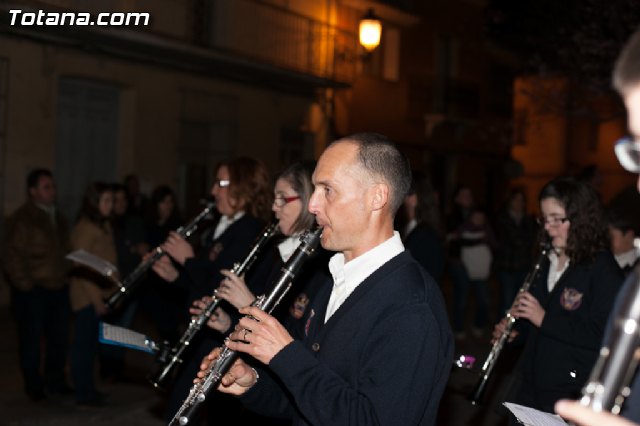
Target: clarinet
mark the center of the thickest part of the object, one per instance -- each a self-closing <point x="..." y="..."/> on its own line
<point x="267" y="302"/>
<point x="131" y="281"/>
<point x="608" y="384"/>
<point x="490" y="362"/>
<point x="174" y="357"/>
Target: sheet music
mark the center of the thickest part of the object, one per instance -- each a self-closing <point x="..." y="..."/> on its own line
<point x="113" y="335"/>
<point x="531" y="417"/>
<point x="94" y="262"/>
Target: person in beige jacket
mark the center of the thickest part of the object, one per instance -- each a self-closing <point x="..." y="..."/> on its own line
<point x="36" y="241"/>
<point x="88" y="289"/>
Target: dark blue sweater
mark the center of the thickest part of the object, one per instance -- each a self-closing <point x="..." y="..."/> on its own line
<point x="384" y="356"/>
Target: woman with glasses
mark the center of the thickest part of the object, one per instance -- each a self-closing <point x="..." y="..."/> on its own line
<point x="291" y="194"/>
<point x="242" y="196"/>
<point x="564" y="313"/>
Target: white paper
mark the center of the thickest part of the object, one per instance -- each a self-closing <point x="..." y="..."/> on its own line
<point x="532" y="417"/>
<point x="120" y="336"/>
<point x="94" y="262"/>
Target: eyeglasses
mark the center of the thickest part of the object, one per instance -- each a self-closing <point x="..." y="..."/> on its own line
<point x="628" y="152"/>
<point x="222" y="183"/>
<point x="551" y="221"/>
<point x="281" y="201"/>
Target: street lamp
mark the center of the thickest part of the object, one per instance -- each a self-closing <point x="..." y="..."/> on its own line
<point x="369" y="31"/>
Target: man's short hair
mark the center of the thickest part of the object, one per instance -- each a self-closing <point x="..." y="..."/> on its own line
<point x="621" y="221"/>
<point x="626" y="72"/>
<point x="380" y="157"/>
<point x="33" y="178"/>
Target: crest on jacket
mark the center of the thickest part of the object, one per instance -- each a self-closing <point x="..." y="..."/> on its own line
<point x="299" y="306"/>
<point x="571" y="299"/>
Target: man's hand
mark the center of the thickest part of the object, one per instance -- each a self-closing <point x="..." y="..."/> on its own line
<point x="239" y="379"/>
<point x="259" y="335"/>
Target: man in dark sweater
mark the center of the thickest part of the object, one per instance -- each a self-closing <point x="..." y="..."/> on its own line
<point x="377" y="347"/>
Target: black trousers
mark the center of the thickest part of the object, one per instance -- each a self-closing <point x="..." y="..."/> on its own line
<point x="42" y="315"/>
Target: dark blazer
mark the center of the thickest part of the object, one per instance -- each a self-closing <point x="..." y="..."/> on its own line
<point x="562" y="352"/>
<point x="383" y="357"/>
<point x="203" y="270"/>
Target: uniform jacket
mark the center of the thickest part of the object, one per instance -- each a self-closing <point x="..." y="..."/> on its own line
<point x="87" y="286"/>
<point x="562" y="352"/>
<point x="34" y="249"/>
<point x="382" y="358"/>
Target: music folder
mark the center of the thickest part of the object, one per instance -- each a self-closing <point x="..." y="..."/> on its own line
<point x="110" y="334"/>
<point x="531" y="417"/>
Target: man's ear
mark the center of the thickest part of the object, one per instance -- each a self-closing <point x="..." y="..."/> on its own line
<point x="380" y="196"/>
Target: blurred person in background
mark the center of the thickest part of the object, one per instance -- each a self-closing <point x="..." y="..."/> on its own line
<point x="129" y="238"/>
<point x="92" y="233"/>
<point x="420" y="225"/>
<point x="36" y="242"/>
<point x="163" y="301"/>
<point x="516" y="234"/>
<point x="622" y="233"/>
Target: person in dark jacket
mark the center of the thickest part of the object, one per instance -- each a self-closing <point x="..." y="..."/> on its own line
<point x="292" y="191"/>
<point x="36" y="242"/>
<point x="567" y="306"/>
<point x="516" y="234"/>
<point x="421" y="228"/>
<point x="626" y="80"/>
<point x="242" y="195"/>
<point x="377" y="347"/>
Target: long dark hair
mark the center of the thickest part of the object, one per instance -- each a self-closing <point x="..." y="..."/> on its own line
<point x="90" y="204"/>
<point x="588" y="230"/>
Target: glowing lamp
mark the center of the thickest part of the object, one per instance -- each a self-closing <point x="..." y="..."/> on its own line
<point x="370" y="30"/>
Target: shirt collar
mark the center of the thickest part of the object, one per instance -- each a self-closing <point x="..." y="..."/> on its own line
<point x="628" y="258"/>
<point x="554" y="273"/>
<point x="225" y="222"/>
<point x="358" y="269"/>
<point x="288" y="246"/>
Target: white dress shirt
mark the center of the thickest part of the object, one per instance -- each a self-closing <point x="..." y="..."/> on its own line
<point x="554" y="272"/>
<point x="346" y="277"/>
<point x="628" y="258"/>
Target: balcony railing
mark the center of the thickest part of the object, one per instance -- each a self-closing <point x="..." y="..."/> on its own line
<point x="270" y="34"/>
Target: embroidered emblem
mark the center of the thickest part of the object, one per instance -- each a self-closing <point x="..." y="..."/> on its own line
<point x="571" y="299"/>
<point x="215" y="251"/>
<point x="306" y="326"/>
<point x="299" y="306"/>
